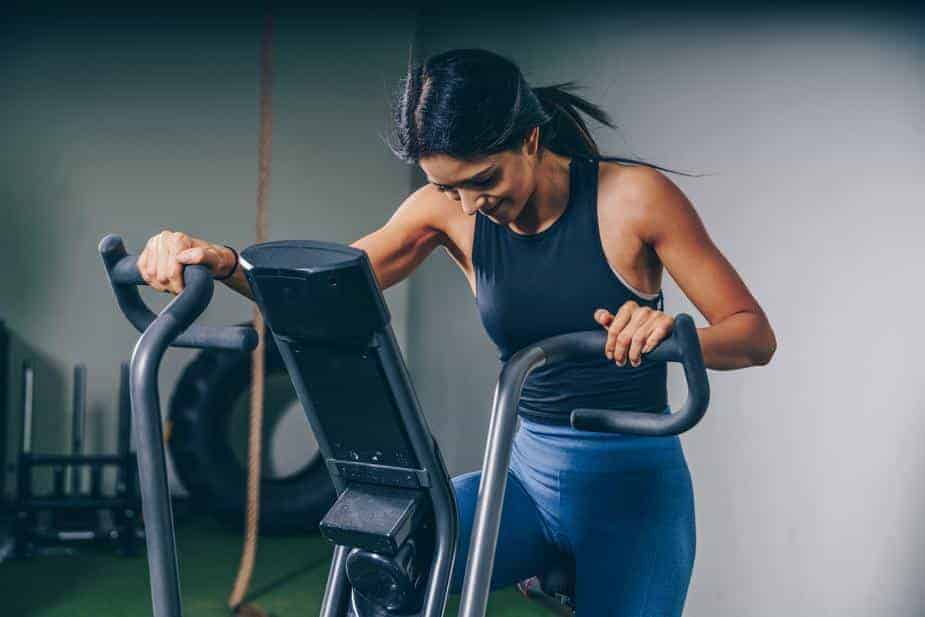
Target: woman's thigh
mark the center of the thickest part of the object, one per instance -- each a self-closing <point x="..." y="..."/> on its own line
<point x="523" y="549"/>
<point x="634" y="539"/>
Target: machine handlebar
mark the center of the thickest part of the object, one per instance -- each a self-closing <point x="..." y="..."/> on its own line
<point x="182" y="311"/>
<point x="682" y="346"/>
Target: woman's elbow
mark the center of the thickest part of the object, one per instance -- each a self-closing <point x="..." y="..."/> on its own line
<point x="768" y="346"/>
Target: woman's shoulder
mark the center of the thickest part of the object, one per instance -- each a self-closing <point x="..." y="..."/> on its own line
<point x="630" y="180"/>
<point x="443" y="215"/>
<point x="431" y="206"/>
<point x="638" y="194"/>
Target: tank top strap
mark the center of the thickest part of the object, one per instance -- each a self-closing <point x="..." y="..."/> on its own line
<point x="588" y="172"/>
<point x="584" y="188"/>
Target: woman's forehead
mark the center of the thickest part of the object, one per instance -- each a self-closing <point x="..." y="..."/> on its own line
<point x="446" y="169"/>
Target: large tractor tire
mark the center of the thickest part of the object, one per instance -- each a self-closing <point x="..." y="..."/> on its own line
<point x="209" y="413"/>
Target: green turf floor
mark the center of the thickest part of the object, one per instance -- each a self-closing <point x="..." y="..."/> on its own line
<point x="288" y="582"/>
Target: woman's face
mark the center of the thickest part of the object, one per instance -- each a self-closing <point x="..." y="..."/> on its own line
<point x="497" y="186"/>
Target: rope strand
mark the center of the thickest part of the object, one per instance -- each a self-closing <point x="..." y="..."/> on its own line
<point x="254" y="455"/>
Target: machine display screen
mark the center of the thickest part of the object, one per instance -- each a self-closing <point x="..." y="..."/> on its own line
<point x="353" y="401"/>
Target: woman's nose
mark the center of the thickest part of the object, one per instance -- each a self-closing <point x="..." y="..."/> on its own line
<point x="471" y="206"/>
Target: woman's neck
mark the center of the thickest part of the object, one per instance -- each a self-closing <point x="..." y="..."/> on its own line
<point x="549" y="198"/>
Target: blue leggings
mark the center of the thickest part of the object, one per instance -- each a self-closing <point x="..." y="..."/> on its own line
<point x="622" y="506"/>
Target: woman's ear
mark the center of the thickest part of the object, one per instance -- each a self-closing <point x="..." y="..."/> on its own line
<point x="532" y="141"/>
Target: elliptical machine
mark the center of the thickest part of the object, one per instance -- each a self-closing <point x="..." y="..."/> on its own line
<point x="395" y="522"/>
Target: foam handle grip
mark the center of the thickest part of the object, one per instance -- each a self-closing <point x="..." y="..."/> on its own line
<point x="682" y="346"/>
<point x="125" y="278"/>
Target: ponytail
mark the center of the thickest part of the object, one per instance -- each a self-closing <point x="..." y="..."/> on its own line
<point x="567" y="134"/>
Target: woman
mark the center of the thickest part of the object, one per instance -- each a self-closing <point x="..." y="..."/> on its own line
<point x="563" y="239"/>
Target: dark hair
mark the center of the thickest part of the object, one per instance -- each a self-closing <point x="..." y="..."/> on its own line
<point x="468" y="103"/>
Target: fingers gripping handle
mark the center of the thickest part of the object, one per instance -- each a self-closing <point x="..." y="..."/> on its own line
<point x="123" y="273"/>
<point x="683" y="346"/>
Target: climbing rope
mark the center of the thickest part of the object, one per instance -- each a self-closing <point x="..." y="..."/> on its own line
<point x="249" y="554"/>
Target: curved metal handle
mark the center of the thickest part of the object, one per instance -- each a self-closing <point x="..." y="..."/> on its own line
<point x="124" y="276"/>
<point x="173" y="326"/>
<point x="682" y="346"/>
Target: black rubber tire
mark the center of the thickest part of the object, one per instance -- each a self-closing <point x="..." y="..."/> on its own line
<point x="200" y="412"/>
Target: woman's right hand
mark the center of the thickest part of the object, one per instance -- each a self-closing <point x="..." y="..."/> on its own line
<point x="165" y="255"/>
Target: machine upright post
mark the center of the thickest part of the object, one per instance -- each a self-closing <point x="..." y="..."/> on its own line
<point x="78" y="419"/>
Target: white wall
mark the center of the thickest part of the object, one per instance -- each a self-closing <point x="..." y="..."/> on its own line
<point x="812" y="128"/>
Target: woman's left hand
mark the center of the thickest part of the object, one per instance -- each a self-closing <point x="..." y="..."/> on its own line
<point x="633" y="331"/>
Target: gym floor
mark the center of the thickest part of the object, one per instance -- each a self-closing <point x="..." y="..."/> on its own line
<point x="288" y="581"/>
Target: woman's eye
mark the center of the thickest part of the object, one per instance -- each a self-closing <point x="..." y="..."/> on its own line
<point x="480" y="184"/>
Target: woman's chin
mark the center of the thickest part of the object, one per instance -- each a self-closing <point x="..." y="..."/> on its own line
<point x="497" y="214"/>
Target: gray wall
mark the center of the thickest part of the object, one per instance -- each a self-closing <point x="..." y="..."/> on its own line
<point x="136" y="125"/>
<point x="807" y="472"/>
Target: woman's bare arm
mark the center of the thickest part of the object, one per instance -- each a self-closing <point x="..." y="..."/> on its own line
<point x="394" y="250"/>
<point x="739" y="334"/>
<point x="409" y="236"/>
